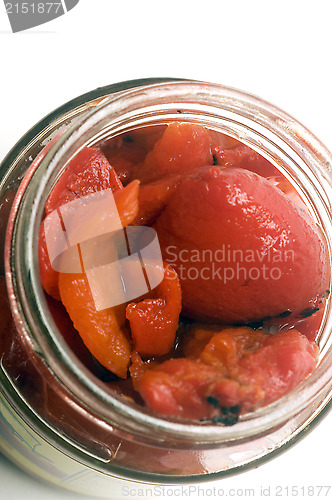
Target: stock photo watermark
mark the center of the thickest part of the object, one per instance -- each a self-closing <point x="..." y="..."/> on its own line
<point x="261" y="491"/>
<point x="228" y="264"/>
<point x="24" y="15"/>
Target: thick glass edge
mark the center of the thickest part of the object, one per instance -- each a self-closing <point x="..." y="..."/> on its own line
<point x="69" y="106"/>
<point x="112" y="470"/>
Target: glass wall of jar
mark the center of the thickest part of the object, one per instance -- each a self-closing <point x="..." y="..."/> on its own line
<point x="48" y="394"/>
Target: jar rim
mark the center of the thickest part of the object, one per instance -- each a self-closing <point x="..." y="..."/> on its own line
<point x="233" y="105"/>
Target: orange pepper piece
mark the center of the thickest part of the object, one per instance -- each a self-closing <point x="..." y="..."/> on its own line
<point x="104" y="332"/>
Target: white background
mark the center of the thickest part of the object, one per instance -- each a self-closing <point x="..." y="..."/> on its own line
<point x="279" y="50"/>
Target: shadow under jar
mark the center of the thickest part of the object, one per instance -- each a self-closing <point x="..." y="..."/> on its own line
<point x="59" y="420"/>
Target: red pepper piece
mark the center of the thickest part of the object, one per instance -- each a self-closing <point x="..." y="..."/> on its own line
<point x="87" y="172"/>
<point x="243" y="251"/>
<point x="123" y="153"/>
<point x="183" y="147"/>
<point x="153" y="198"/>
<point x="179" y="388"/>
<point x="242" y="156"/>
<point x="284" y="360"/>
<point x="154" y="321"/>
<point x="126" y="151"/>
<point x="146" y="137"/>
<point x="237" y="371"/>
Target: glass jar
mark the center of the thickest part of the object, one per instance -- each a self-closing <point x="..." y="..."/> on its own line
<point x="57" y="420"/>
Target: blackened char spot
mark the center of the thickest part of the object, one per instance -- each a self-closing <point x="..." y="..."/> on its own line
<point x="212" y="401"/>
<point x="229" y="415"/>
<point x="226" y="410"/>
<point x="235" y="409"/>
<point x="308" y="312"/>
<point x="228" y="420"/>
<point x="284" y="314"/>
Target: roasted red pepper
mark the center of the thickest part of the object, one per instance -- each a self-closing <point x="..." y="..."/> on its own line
<point x="182" y="147"/>
<point x="207" y="196"/>
<point x="104" y="332"/>
<point x="243" y="251"/>
<point x="154" y="320"/>
<point x="87" y="173"/>
<point x="236" y="371"/>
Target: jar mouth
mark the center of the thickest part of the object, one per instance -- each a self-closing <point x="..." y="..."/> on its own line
<point x="261" y="126"/>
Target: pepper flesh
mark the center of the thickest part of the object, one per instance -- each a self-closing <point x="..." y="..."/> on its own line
<point x="237" y="371"/>
<point x="221" y="371"/>
<point x="86" y="173"/>
<point x="247" y="245"/>
<point x="182" y="147"/>
<point x="154" y="321"/>
<point x="104" y="332"/>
